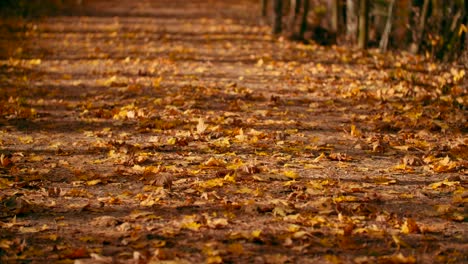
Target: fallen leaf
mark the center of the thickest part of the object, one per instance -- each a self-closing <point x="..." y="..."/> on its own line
<point x="410" y="226"/>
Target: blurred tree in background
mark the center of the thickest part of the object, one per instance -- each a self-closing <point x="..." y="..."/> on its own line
<point x="434" y="28"/>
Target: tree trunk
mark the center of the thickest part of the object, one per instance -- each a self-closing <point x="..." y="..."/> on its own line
<point x="363" y="24"/>
<point x="401" y="20"/>
<point x="464" y="57"/>
<point x="277" y="18"/>
<point x="295" y="8"/>
<point x="421" y="28"/>
<point x="335" y="20"/>
<point x="351" y="20"/>
<point x="264" y="4"/>
<point x="305" y="12"/>
<point x="388" y="28"/>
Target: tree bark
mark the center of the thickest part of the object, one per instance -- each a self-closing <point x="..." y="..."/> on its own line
<point x="295" y="8"/>
<point x="351" y="20"/>
<point x="277" y="18"/>
<point x="363" y="24"/>
<point x="383" y="45"/>
<point x="305" y="12"/>
<point x="464" y="57"/>
<point x="264" y="4"/>
<point x="421" y="28"/>
<point x="335" y="10"/>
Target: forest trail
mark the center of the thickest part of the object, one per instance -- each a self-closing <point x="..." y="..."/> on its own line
<point x="146" y="131"/>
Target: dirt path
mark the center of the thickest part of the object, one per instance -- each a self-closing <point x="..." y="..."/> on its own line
<point x="146" y="131"/>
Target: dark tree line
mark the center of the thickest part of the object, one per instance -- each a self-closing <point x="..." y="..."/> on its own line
<point x="37" y="8"/>
<point x="437" y="28"/>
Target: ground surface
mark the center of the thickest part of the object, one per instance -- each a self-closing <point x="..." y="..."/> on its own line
<point x="181" y="131"/>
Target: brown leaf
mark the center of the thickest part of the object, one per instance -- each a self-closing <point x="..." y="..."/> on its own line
<point x="410" y="226"/>
<point x="412" y="160"/>
<point x="103" y="221"/>
<point x="5" y="160"/>
<point x="201" y="126"/>
<point x="337" y="156"/>
<point x="15" y="205"/>
<point x="77" y="253"/>
<point x="164" y="180"/>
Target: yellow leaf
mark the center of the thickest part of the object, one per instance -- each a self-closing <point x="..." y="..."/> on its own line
<point x="157" y="82"/>
<point x="158" y="243"/>
<point x="299" y="234"/>
<point x="319" y="158"/>
<point x="333" y="259"/>
<point x="345" y="198"/>
<point x="194" y="226"/>
<point x="222" y="142"/>
<point x="36" y="158"/>
<point x="171" y="141"/>
<point x="26" y="139"/>
<point x="355" y="132"/>
<point x="289" y="183"/>
<point x="402" y="148"/>
<point x="406" y="195"/>
<point x="403" y="167"/>
<point x="293" y="228"/>
<point x="399" y="242"/>
<point x="5" y="244"/>
<point x="93" y="182"/>
<point x="463" y="28"/>
<point x="214" y="260"/>
<point x="236" y="165"/>
<point x="259" y="63"/>
<point x="444" y="165"/>
<point x="24" y="229"/>
<point x="139" y="169"/>
<point x="245" y="190"/>
<point x="201" y="126"/>
<point x="292" y="218"/>
<point x="256" y="233"/>
<point x="217" y="182"/>
<point x="230" y="178"/>
<point x="214" y="162"/>
<point x="397" y="259"/>
<point x="457" y="75"/>
<point x="410" y="226"/>
<point x="217" y="222"/>
<point x="383" y="180"/>
<point x="291" y="174"/>
<point x="35" y="61"/>
<point x="444" y="183"/>
<point x="279" y="211"/>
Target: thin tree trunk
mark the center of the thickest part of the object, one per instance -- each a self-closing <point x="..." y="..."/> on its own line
<point x="351" y="20"/>
<point x="388" y="28"/>
<point x="363" y="24"/>
<point x="277" y="18"/>
<point x="464" y="57"/>
<point x="421" y="27"/>
<point x="295" y="8"/>
<point x="305" y="12"/>
<point x="264" y="4"/>
<point x="335" y="21"/>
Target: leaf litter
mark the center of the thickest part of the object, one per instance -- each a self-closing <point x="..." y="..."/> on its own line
<point x="201" y="138"/>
